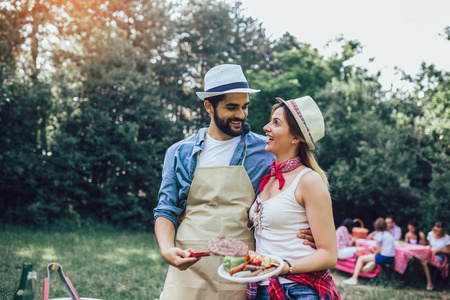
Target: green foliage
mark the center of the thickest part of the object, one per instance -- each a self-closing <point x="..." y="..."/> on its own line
<point x="92" y="93"/>
<point x="298" y="71"/>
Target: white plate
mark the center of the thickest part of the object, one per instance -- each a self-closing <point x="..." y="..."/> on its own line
<point x="224" y="274"/>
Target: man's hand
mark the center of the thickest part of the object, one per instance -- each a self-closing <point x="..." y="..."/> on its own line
<point x="179" y="258"/>
<point x="307" y="235"/>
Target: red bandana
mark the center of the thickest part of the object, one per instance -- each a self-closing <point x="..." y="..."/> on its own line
<point x="286" y="166"/>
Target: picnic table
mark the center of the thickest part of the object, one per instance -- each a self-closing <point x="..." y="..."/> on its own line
<point x="403" y="254"/>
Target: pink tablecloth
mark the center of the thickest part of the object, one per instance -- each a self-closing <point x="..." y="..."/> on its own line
<point x="404" y="252"/>
<point x="348" y="265"/>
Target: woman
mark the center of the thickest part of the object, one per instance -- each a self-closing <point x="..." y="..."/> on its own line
<point x="345" y="241"/>
<point x="384" y="254"/>
<point x="440" y="245"/>
<point x="296" y="188"/>
<point x="414" y="235"/>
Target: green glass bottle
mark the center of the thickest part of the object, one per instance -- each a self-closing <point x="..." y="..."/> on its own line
<point x="27" y="282"/>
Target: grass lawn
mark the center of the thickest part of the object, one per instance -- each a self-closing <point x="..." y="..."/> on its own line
<point x="109" y="264"/>
<point x="103" y="263"/>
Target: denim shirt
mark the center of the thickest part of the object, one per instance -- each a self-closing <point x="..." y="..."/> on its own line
<point x="180" y="163"/>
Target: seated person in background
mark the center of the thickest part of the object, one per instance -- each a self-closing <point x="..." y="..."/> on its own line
<point x="384" y="254"/>
<point x="439" y="241"/>
<point x="345" y="241"/>
<point x="440" y="245"/>
<point x="392" y="228"/>
<point x="414" y="235"/>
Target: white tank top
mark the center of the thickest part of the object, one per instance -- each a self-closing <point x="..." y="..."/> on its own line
<point x="281" y="219"/>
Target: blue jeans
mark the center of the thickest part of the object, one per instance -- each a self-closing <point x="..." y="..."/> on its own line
<point x="292" y="291"/>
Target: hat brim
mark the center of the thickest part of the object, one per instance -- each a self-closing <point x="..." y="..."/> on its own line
<point x="204" y="95"/>
<point x="302" y="126"/>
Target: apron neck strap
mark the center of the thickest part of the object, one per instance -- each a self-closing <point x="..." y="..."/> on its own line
<point x="245" y="153"/>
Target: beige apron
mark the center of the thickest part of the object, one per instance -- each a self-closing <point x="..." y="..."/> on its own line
<point x="217" y="205"/>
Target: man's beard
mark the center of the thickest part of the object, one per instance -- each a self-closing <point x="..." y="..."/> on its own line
<point x="225" y="125"/>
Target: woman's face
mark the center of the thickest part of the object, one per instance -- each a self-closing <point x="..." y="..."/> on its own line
<point x="278" y="134"/>
<point x="411" y="228"/>
<point x="439" y="230"/>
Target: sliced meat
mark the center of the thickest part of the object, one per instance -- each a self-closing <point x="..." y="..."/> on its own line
<point x="256" y="273"/>
<point x="227" y="246"/>
<point x="268" y="270"/>
<point x="253" y="268"/>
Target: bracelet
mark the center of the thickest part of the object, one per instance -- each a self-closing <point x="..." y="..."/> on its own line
<point x="290" y="267"/>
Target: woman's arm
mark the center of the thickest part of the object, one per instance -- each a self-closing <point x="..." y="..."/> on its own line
<point x="378" y="237"/>
<point x="445" y="251"/>
<point x="422" y="238"/>
<point x="407" y="237"/>
<point x="378" y="250"/>
<point x="312" y="193"/>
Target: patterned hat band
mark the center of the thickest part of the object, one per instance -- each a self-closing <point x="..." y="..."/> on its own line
<point x="308" y="117"/>
<point x="299" y="114"/>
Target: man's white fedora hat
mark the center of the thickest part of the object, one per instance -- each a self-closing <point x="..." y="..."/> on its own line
<point x="309" y="118"/>
<point x="225" y="79"/>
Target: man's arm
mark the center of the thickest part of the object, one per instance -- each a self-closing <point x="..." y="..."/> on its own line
<point x="165" y="236"/>
<point x="307" y="235"/>
<point x="398" y="233"/>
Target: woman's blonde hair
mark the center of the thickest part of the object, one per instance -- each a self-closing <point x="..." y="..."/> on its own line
<point x="307" y="157"/>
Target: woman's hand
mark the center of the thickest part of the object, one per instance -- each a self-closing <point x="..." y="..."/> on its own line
<point x="285" y="270"/>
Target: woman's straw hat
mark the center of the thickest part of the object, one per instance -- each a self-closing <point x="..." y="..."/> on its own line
<point x="308" y="117"/>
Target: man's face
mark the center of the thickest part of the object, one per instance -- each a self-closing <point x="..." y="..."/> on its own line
<point x="389" y="223"/>
<point x="230" y="114"/>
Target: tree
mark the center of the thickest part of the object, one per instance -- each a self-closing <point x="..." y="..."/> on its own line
<point x="428" y="130"/>
<point x="25" y="106"/>
<point x="294" y="73"/>
<point x="119" y="124"/>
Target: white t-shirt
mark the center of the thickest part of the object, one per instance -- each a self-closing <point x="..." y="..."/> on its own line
<point x="441" y="243"/>
<point x="217" y="153"/>
<point x="387" y="243"/>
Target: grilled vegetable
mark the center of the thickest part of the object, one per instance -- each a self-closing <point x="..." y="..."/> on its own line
<point x="242" y="274"/>
<point x="230" y="262"/>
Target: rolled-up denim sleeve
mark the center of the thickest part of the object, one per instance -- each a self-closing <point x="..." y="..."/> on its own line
<point x="175" y="186"/>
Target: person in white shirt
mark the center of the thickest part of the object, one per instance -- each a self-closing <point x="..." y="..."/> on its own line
<point x="294" y="196"/>
<point x="384" y="254"/>
<point x="391" y="227"/>
<point x="440" y="245"/>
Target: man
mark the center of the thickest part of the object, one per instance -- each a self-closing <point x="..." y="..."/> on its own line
<point x="212" y="177"/>
<point x="395" y="230"/>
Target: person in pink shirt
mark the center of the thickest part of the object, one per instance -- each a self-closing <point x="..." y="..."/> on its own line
<point x="346" y="243"/>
